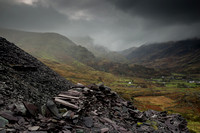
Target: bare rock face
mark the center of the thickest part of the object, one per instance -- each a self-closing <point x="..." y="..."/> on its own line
<point x="23" y="77"/>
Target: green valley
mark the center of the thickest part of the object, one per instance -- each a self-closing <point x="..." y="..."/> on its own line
<point x="158" y="88"/>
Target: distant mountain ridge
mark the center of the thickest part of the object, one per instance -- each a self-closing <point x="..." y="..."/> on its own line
<point x="182" y="55"/>
<point x="47" y="45"/>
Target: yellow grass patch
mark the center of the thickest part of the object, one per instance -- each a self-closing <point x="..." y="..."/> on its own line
<point x="194" y="126"/>
<point x="161" y="101"/>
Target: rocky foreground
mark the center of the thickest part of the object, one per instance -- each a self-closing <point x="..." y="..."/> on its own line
<point x="82" y="109"/>
<point x="34" y="99"/>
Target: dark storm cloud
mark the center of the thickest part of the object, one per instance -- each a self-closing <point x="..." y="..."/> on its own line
<point x="116" y="24"/>
<point x="168" y="11"/>
<point x="29" y="17"/>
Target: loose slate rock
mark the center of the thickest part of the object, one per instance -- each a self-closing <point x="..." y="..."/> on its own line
<point x="34" y="128"/>
<point x="88" y="121"/>
<point x="79" y="85"/>
<point x="32" y="109"/>
<point x="3" y="122"/>
<point x="100" y="111"/>
<point x="66" y="103"/>
<point x="53" y="108"/>
<point x="20" y="108"/>
<point x="104" y="130"/>
<point x="1" y="102"/>
<point x="9" y="116"/>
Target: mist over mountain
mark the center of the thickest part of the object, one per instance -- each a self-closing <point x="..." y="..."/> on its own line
<point x="98" y="50"/>
<point x="116" y="24"/>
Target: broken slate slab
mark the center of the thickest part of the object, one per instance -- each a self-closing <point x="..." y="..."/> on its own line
<point x="66" y="103"/>
<point x="34" y="128"/>
<point x="1" y="102"/>
<point x="53" y="108"/>
<point x="9" y="116"/>
<point x="79" y="85"/>
<point x="66" y="131"/>
<point x="69" y="114"/>
<point x="88" y="121"/>
<point x="32" y="109"/>
<point x="21" y="109"/>
<point x="68" y="97"/>
<point x="36" y="132"/>
<point x="3" y="122"/>
<point x="72" y="93"/>
<point x="104" y="130"/>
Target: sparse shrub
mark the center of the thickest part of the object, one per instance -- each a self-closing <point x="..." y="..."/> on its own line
<point x="182" y="85"/>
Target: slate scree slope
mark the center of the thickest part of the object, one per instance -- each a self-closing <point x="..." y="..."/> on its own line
<point x="23" y="77"/>
<point x="33" y="98"/>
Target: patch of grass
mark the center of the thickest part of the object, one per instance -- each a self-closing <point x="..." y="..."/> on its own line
<point x="194" y="126"/>
<point x="78" y="72"/>
<point x="139" y="123"/>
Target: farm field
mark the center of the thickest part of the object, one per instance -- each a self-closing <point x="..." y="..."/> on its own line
<point x="175" y="96"/>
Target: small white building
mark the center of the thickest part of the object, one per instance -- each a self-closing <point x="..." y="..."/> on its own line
<point x="191" y="81"/>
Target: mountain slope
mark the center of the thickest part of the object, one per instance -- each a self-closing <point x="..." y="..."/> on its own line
<point x="23" y="77"/>
<point x="124" y="69"/>
<point x="180" y="55"/>
<point x="128" y="51"/>
<point x="53" y="48"/>
<point x="48" y="46"/>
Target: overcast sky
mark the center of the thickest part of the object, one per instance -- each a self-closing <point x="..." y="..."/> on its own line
<point x="116" y="24"/>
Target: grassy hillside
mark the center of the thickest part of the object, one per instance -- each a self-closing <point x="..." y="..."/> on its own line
<point x="79" y="72"/>
<point x="48" y="46"/>
<point x="125" y="69"/>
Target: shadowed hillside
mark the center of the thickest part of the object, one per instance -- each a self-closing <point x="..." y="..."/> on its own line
<point x="23" y="77"/>
<point x="177" y="56"/>
<point x="126" y="52"/>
